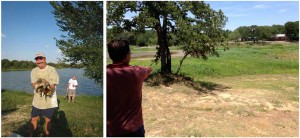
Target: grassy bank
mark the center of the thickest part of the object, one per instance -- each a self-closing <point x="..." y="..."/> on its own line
<point x="82" y="118"/>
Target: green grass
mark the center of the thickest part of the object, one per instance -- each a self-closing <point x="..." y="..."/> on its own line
<point x="83" y="118"/>
<point x="9" y="101"/>
<point x="237" y="61"/>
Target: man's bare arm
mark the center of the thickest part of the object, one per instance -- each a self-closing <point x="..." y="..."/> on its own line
<point x="33" y="85"/>
<point x="52" y="86"/>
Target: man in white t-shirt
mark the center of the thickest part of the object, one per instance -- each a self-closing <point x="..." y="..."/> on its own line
<point x="71" y="89"/>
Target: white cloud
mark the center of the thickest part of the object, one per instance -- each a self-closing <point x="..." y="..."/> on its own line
<point x="3" y="35"/>
<point x="282" y="10"/>
<point x="259" y="6"/>
<point x="46" y="46"/>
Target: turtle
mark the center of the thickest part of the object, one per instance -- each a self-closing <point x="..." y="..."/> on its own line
<point x="42" y="86"/>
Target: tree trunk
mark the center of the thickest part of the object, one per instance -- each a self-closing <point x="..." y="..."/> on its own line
<point x="165" y="58"/>
<point x="163" y="51"/>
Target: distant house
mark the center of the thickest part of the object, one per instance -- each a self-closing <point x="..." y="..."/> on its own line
<point x="279" y="37"/>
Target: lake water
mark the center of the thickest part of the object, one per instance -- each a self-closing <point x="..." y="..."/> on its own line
<point x="20" y="80"/>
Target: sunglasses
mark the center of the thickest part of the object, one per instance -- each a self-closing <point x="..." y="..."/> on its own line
<point x="39" y="58"/>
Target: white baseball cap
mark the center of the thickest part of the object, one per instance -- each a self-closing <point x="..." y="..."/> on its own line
<point x="40" y="55"/>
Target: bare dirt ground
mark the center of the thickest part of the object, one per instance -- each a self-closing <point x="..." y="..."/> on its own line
<point x="257" y="105"/>
<point x="150" y="55"/>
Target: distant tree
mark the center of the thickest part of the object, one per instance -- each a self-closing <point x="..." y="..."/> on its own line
<point x="82" y="21"/>
<point x="226" y="34"/>
<point x="194" y="23"/>
<point x="23" y="64"/>
<point x="141" y="40"/>
<point x="52" y="64"/>
<point x="5" y="64"/>
<point x="278" y="29"/>
<point x="235" y="35"/>
<point x="151" y="37"/>
<point x="264" y="32"/>
<point x="31" y="64"/>
<point x="245" y="32"/>
<point x="292" y="30"/>
<point x="15" y="64"/>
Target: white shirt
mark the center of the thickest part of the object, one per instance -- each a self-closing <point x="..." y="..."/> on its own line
<point x="72" y="83"/>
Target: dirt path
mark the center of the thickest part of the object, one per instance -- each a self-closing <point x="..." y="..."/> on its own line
<point x="238" y="111"/>
<point x="150" y="54"/>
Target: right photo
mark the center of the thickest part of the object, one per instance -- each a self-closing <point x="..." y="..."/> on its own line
<point x="202" y="69"/>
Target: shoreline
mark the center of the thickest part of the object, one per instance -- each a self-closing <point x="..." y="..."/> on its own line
<point x="58" y="95"/>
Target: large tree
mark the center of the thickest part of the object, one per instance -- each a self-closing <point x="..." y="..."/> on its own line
<point x="292" y="30"/>
<point x="197" y="27"/>
<point x="82" y="23"/>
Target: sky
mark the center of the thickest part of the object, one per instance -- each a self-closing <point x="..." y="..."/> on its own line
<point x="247" y="13"/>
<point x="30" y="27"/>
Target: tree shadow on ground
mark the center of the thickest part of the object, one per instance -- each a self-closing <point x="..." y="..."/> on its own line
<point x="202" y="87"/>
<point x="60" y="126"/>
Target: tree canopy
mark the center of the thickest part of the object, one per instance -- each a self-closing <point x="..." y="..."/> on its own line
<point x="82" y="23"/>
<point x="292" y="30"/>
<point x="196" y="27"/>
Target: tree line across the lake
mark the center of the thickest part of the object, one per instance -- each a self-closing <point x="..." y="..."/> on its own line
<point x="16" y="65"/>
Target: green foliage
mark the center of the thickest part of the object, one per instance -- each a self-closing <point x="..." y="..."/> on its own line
<point x="141" y="40"/>
<point x="278" y="29"/>
<point x="82" y="21"/>
<point x="292" y="30"/>
<point x="235" y="35"/>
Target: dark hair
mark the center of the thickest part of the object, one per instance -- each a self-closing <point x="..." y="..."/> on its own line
<point x="118" y="49"/>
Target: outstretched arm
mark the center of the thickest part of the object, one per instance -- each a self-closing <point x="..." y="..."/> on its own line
<point x="148" y="71"/>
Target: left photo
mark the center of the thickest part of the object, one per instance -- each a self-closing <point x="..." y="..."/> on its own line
<point x="51" y="69"/>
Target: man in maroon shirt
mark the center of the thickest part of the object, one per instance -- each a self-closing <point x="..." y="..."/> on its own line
<point x="124" y="92"/>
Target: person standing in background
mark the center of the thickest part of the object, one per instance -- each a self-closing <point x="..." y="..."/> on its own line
<point x="71" y="89"/>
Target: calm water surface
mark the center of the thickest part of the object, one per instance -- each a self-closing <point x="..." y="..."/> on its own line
<point x="20" y="80"/>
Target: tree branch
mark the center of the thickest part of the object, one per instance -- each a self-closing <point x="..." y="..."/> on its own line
<point x="181" y="61"/>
